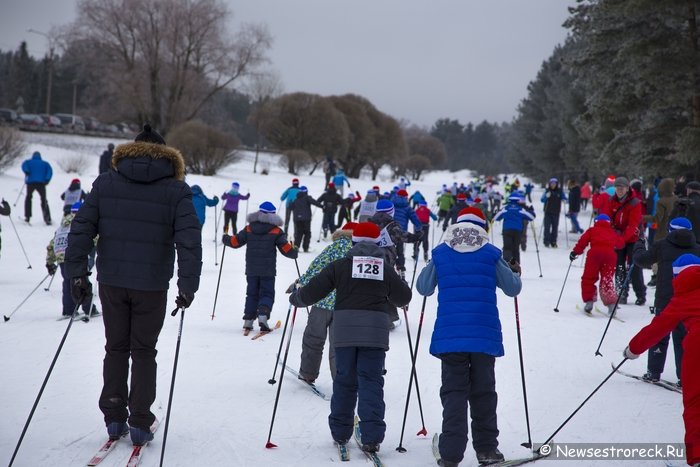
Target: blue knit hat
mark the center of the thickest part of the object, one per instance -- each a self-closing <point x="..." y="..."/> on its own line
<point x="423" y="203"/>
<point x="235" y="185"/>
<point x="384" y="205"/>
<point x="602" y="217"/>
<point x="303" y="189"/>
<point x="516" y="197"/>
<point x="76" y="206"/>
<point x="680" y="223"/>
<point x="553" y="180"/>
<point x="684" y="262"/>
<point x="268" y="207"/>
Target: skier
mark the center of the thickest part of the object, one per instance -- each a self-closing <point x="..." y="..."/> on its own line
<point x="660" y="217"/>
<point x="513" y="215"/>
<point x="445" y="202"/>
<point x="403" y="183"/>
<point x="625" y="213"/>
<point x="552" y="198"/>
<point x="4" y="211"/>
<point x="289" y="195"/>
<point x="453" y="213"/>
<point x="416" y="198"/>
<point x="684" y="307"/>
<point x="689" y="206"/>
<point x="55" y="256"/>
<point x="365" y="286"/>
<point x="345" y="211"/>
<point x="467" y="334"/>
<point x="367" y="206"/>
<point x="330" y="200"/>
<point x="600" y="262"/>
<point x="402" y="214"/>
<point x="585" y="194"/>
<point x="574" y="206"/>
<point x="38" y="174"/>
<point x="679" y="241"/>
<point x="424" y="214"/>
<point x="301" y="207"/>
<point x="106" y="159"/>
<point x="528" y="191"/>
<point x="320" y="319"/>
<point x="262" y="235"/>
<point x="142" y="212"/>
<point x="232" y="198"/>
<point x="200" y="201"/>
<point x="339" y="180"/>
<point x="72" y="195"/>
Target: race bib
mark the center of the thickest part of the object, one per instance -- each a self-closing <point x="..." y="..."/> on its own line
<point x="385" y="239"/>
<point x="368" y="267"/>
<point x="60" y="240"/>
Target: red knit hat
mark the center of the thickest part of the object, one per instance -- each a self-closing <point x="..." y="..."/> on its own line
<point x="75" y="181"/>
<point x="366" y="232"/>
<point x="461" y="196"/>
<point x="349" y="226"/>
<point x="331" y="185"/>
<point x="295" y="181"/>
<point x="402" y="193"/>
<point x="473" y="215"/>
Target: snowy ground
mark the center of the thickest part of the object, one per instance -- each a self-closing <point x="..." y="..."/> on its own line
<point x="223" y="403"/>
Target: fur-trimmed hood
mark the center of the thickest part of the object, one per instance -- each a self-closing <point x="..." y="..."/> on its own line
<point x="147" y="162"/>
<point x="265" y="218"/>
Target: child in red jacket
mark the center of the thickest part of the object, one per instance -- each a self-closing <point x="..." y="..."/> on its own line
<point x="600" y="262"/>
<point x="424" y="214"/>
<point x="684" y="307"/>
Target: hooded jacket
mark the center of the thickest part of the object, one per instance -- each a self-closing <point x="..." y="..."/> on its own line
<point x="513" y="215"/>
<point x="142" y="212"/>
<point x="601" y="237"/>
<point x="302" y="206"/>
<point x="37" y="170"/>
<point x="330" y="200"/>
<point x="232" y="198"/>
<point x="361" y="317"/>
<point x="200" y="201"/>
<point x="263" y="235"/>
<point x="663" y="209"/>
<point x="403" y="213"/>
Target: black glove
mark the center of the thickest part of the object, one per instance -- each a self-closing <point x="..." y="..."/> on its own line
<point x="292" y="287"/>
<point x="51" y="268"/>
<point x="226" y="240"/>
<point x="80" y="287"/>
<point x="184" y="299"/>
<point x="6" y="208"/>
<point x="572" y="256"/>
<point x="295" y="299"/>
<point x="444" y="227"/>
<point x="514" y="266"/>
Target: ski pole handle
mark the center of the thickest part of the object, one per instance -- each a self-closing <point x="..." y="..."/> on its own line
<point x="174" y="312"/>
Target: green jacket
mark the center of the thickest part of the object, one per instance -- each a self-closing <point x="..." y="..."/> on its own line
<point x="337" y="250"/>
<point x="445" y="201"/>
<point x="56" y="249"/>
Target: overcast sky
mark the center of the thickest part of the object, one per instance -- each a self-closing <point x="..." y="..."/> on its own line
<point x="418" y="60"/>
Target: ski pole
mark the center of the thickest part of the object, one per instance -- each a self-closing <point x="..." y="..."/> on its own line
<point x="46" y="289"/>
<point x="279" y="351"/>
<point x="7" y="317"/>
<point x="582" y="404"/>
<point x="413" y="376"/>
<point x="20" y="243"/>
<point x="218" y="282"/>
<point x="556" y="308"/>
<point x="617" y="303"/>
<point x="537" y="247"/>
<point x="566" y="230"/>
<point x="43" y="385"/>
<point x="172" y="381"/>
<point x="415" y="266"/>
<point x="441" y="235"/>
<point x="269" y="444"/>
<point x="589" y="226"/>
<point x="19" y="195"/>
<point x="522" y="375"/>
<point x="216" y="241"/>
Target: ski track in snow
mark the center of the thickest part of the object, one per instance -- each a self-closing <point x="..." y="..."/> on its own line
<point x="223" y="403"/>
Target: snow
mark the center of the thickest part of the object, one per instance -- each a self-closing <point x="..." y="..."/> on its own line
<point x="222" y="401"/>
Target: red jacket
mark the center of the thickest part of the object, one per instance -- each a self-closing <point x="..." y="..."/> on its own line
<point x="625" y="216"/>
<point x="598" y="199"/>
<point x="586" y="191"/>
<point x="600" y="236"/>
<point x="423" y="213"/>
<point x="683" y="307"/>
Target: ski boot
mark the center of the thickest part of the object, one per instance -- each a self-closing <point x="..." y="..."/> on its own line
<point x="262" y="322"/>
<point x="651" y="377"/>
<point x="140" y="436"/>
<point x="490" y="457"/>
<point x="611" y="309"/>
<point x="640" y="301"/>
<point x="588" y="307"/>
<point x="116" y="430"/>
<point x="370" y="447"/>
<point x="247" y="326"/>
<point x="444" y="463"/>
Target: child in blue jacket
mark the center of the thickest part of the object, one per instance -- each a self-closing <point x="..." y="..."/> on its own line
<point x="513" y="215"/>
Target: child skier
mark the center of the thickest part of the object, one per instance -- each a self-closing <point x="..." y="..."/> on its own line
<point x="684" y="307"/>
<point x="55" y="255"/>
<point x="200" y="201"/>
<point x="262" y="235"/>
<point x="301" y="207"/>
<point x="345" y="211"/>
<point x="513" y="216"/>
<point x="72" y="195"/>
<point x="232" y="197"/>
<point x="4" y="211"/>
<point x="339" y="180"/>
<point x="467" y="334"/>
<point x="600" y="262"/>
<point x="424" y="215"/>
<point x="365" y="285"/>
<point x="367" y="206"/>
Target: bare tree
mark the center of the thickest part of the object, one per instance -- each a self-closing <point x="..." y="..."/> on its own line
<point x="167" y="58"/>
<point x="205" y="149"/>
<point x="421" y="142"/>
<point x="261" y="87"/>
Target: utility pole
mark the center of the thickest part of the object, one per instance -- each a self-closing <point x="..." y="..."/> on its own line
<point x="49" y="81"/>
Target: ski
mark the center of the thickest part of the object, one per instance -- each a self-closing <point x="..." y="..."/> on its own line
<point x="506" y="463"/>
<point x="278" y="324"/>
<point x="311" y="386"/>
<point x="106" y="448"/>
<point x="587" y="313"/>
<point x="371" y="456"/>
<point x="662" y="383"/>
<point x="135" y="457"/>
<point x="608" y="316"/>
<point x="343" y="452"/>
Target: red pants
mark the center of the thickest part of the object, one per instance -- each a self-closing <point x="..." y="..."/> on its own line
<point x="690" y="377"/>
<point x="600" y="263"/>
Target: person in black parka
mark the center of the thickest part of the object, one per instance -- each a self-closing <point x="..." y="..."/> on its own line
<point x="689" y="206"/>
<point x="142" y="211"/>
<point x="330" y="200"/>
<point x="679" y="241"/>
<point x="106" y="159"/>
<point x="366" y="286"/>
<point x="301" y="207"/>
<point x="263" y="236"/>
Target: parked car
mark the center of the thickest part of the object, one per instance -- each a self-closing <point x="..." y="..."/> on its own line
<point x="74" y="122"/>
<point x="92" y="124"/>
<point x="108" y="128"/>
<point x="32" y="120"/>
<point x="51" y="120"/>
<point x="8" y="116"/>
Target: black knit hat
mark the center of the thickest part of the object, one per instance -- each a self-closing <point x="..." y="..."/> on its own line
<point x="149" y="136"/>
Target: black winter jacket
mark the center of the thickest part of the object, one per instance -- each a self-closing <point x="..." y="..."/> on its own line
<point x="302" y="206"/>
<point x="361" y="317"/>
<point x="396" y="235"/>
<point x="453" y="214"/>
<point x="553" y="203"/>
<point x="665" y="252"/>
<point x="689" y="207"/>
<point x="575" y="199"/>
<point x="330" y="200"/>
<point x="142" y="212"/>
<point x="106" y="161"/>
<point x="263" y="235"/>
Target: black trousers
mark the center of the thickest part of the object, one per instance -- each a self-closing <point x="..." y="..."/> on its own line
<point x="656" y="356"/>
<point x="468" y="383"/>
<point x="230" y="216"/>
<point x="133" y="320"/>
<point x="624" y="262"/>
<point x="41" y="189"/>
<point x="287" y="214"/>
<point x="511" y="245"/>
<point x="425" y="241"/>
<point x="302" y="234"/>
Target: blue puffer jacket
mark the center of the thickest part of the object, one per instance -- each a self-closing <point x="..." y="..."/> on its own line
<point x="200" y="201"/>
<point x="513" y="216"/>
<point x="403" y="213"/>
<point x="37" y="170"/>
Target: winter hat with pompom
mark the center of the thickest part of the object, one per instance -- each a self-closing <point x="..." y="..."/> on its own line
<point x="384" y="205"/>
<point x="148" y="135"/>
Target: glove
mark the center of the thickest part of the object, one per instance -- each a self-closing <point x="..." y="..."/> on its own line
<point x="80" y="287"/>
<point x="572" y="256"/>
<point x="514" y="266"/>
<point x="292" y="287"/>
<point x="51" y="268"/>
<point x="226" y="240"/>
<point x="6" y="207"/>
<point x="548" y="194"/>
<point x="295" y="300"/>
<point x="348" y="184"/>
<point x="184" y="299"/>
<point x="444" y="227"/>
<point x="628" y="353"/>
<point x="216" y="198"/>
